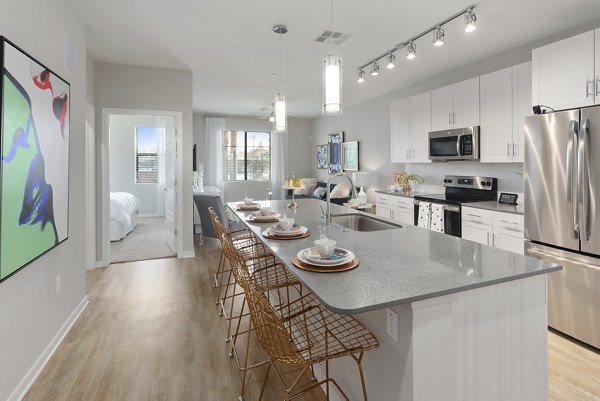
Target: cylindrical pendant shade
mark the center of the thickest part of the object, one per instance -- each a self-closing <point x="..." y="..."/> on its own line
<point x="280" y="113"/>
<point x="332" y="82"/>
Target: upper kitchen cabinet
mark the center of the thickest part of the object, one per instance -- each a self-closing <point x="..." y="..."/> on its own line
<point x="505" y="102"/>
<point x="455" y="106"/>
<point x="400" y="142"/>
<point x="419" y="125"/>
<point x="563" y="73"/>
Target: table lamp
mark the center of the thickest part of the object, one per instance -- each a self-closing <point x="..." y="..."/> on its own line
<point x="361" y="179"/>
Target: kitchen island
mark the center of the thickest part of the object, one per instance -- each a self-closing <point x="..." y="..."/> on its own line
<point x="471" y="318"/>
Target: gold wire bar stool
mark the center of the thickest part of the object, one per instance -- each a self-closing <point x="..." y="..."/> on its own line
<point x="306" y="334"/>
<point x="270" y="276"/>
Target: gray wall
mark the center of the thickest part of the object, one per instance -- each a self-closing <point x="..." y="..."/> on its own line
<point x="148" y="88"/>
<point x="31" y="311"/>
<point x="122" y="161"/>
<point x="369" y="123"/>
<point x="299" y="146"/>
<point x="90" y="76"/>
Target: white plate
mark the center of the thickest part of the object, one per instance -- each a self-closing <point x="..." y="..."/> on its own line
<point x="313" y="255"/>
<point x="243" y="206"/>
<point x="259" y="217"/>
<point x="303" y="258"/>
<point x="276" y="229"/>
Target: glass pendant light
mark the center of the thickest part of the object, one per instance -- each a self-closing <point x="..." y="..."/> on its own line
<point x="280" y="124"/>
<point x="332" y="81"/>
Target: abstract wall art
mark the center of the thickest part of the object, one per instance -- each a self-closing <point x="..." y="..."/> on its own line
<point x="34" y="164"/>
<point x="321" y="156"/>
<point x="335" y="152"/>
<point x="350" y="162"/>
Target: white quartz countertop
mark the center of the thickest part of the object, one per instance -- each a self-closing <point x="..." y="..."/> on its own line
<point x="396" y="266"/>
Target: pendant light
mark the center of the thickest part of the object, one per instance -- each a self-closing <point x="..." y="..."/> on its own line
<point x="332" y="80"/>
<point x="279" y="103"/>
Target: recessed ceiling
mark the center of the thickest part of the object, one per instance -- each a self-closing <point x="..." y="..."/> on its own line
<point x="230" y="47"/>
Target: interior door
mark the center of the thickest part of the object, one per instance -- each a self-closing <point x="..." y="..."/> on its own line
<point x="550" y="177"/>
<point x="590" y="218"/>
<point x="170" y="186"/>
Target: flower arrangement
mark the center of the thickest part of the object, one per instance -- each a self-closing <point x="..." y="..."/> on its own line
<point x="406" y="180"/>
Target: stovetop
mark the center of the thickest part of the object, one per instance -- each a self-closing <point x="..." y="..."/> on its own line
<point x="464" y="189"/>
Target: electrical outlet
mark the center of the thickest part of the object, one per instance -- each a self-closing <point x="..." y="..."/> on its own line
<point x="392" y="324"/>
<point x="58" y="283"/>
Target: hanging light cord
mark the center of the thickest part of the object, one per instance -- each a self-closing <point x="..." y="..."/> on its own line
<point x="332" y="15"/>
<point x="280" y="56"/>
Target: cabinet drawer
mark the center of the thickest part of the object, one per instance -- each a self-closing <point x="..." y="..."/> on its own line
<point x="385" y="199"/>
<point x="509" y="221"/>
<point x="406" y="204"/>
<point x="477" y="215"/>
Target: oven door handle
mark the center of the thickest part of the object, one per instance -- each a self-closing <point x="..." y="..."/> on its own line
<point x="455" y="209"/>
<point x="458" y="147"/>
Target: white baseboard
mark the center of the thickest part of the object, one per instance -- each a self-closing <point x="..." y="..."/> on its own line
<point x="185" y="255"/>
<point x="36" y="369"/>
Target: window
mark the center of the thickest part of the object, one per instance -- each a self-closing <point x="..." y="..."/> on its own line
<point x="146" y="155"/>
<point x="246" y="156"/>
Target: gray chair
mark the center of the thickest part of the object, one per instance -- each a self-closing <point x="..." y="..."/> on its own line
<point x="203" y="202"/>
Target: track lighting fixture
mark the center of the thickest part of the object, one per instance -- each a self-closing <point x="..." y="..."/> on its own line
<point x="361" y="76"/>
<point x="375" y="69"/>
<point x="470" y="21"/>
<point x="411" y="51"/>
<point x="438" y="36"/>
<point x="391" y="61"/>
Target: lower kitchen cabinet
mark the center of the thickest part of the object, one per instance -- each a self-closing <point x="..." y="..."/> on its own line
<point x="497" y="229"/>
<point x="398" y="208"/>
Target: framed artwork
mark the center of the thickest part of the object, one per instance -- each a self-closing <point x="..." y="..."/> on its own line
<point x="335" y="141"/>
<point x="321" y="156"/>
<point x="34" y="167"/>
<point x="350" y="153"/>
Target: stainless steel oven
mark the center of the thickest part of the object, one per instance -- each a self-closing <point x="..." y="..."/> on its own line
<point x="454" y="144"/>
<point x="452" y="219"/>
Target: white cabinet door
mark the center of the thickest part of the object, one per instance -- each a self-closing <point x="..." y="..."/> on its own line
<point x="480" y="233"/>
<point x="419" y="109"/>
<point x="563" y="73"/>
<point x="403" y="217"/>
<point x="508" y="240"/>
<point x="521" y="107"/>
<point x="442" y="108"/>
<point x="597" y="52"/>
<point x="400" y="141"/>
<point x="383" y="211"/>
<point x="466" y="103"/>
<point x="496" y="117"/>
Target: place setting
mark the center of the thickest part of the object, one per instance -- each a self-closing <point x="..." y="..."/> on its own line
<point x="264" y="215"/>
<point x="286" y="229"/>
<point x="325" y="257"/>
<point x="248" y="204"/>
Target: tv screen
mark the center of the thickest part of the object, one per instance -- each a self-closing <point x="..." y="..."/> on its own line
<point x="34" y="168"/>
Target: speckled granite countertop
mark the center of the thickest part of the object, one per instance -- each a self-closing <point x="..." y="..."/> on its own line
<point x="396" y="266"/>
<point x="497" y="207"/>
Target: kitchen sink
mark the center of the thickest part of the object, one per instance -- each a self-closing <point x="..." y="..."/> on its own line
<point x="360" y="222"/>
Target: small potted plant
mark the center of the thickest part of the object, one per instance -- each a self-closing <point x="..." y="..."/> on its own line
<point x="406" y="181"/>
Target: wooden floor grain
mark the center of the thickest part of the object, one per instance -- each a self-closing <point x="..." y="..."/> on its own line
<point x="151" y="333"/>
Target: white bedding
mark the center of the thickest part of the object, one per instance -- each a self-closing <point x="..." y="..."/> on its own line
<point x="124" y="209"/>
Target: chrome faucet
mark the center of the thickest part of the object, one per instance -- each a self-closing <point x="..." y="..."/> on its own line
<point x="328" y="214"/>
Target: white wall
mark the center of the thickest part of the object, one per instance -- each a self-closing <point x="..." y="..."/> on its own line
<point x="148" y="88"/>
<point x="31" y="312"/>
<point x="299" y="150"/>
<point x="369" y="123"/>
<point x="122" y="161"/>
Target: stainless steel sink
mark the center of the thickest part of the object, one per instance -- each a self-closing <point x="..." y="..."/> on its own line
<point x="360" y="222"/>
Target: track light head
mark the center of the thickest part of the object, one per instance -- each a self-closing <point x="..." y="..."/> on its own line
<point x="470" y="21"/>
<point x="411" y="51"/>
<point x="391" y="61"/>
<point x="375" y="69"/>
<point x="361" y="76"/>
<point x="438" y="36"/>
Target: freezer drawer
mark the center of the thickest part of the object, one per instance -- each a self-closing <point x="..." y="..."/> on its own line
<point x="573" y="293"/>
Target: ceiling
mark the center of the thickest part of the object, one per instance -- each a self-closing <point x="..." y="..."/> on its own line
<point x="230" y="47"/>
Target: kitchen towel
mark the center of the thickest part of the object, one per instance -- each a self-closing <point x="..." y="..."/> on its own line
<point x="437" y="217"/>
<point x="424" y="214"/>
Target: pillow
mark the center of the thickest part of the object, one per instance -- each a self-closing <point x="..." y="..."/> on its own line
<point x="308" y="189"/>
<point x="340" y="191"/>
<point x="306" y="183"/>
<point x="319" y="193"/>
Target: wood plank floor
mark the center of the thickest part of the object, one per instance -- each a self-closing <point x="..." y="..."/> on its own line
<point x="151" y="332"/>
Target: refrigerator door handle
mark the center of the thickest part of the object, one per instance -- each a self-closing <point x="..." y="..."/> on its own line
<point x="572" y="203"/>
<point x="583" y="178"/>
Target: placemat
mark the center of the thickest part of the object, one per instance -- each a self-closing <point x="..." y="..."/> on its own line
<point x="325" y="269"/>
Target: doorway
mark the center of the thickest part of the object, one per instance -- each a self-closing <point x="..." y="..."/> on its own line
<point x="139" y="185"/>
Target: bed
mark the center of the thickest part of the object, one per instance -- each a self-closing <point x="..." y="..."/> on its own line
<point x="124" y="209"/>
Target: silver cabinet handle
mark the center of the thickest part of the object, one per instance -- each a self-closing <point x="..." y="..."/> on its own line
<point x="494" y="240"/>
<point x="510" y="222"/>
<point x="598" y="85"/>
<point x="514" y="145"/>
<point x="587" y="87"/>
<point x="488" y="237"/>
<point x="572" y="204"/>
<point x="507" y="148"/>
<point x="449" y="118"/>
<point x="473" y="215"/>
<point x="583" y="179"/>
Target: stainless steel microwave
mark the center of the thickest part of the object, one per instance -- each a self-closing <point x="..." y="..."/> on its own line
<point x="454" y="144"/>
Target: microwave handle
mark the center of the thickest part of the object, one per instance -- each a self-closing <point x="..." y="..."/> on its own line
<point x="458" y="147"/>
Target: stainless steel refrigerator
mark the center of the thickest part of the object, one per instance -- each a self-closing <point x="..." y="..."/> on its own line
<point x="562" y="214"/>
